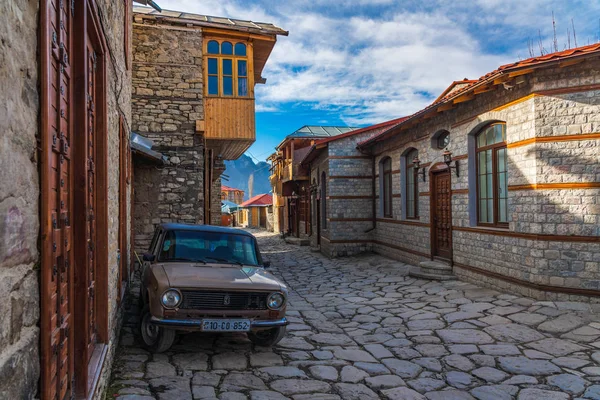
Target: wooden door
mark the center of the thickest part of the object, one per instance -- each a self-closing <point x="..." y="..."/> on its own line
<point x="262" y="212"/>
<point x="280" y="213"/>
<point x="441" y="215"/>
<point x="318" y="208"/>
<point x="90" y="200"/>
<point x="57" y="365"/>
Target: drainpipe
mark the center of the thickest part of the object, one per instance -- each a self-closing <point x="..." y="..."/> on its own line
<point x="373" y="203"/>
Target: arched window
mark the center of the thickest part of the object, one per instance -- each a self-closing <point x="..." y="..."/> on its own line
<point x="385" y="191"/>
<point x="323" y="201"/>
<point x="226" y="72"/>
<point x="240" y="49"/>
<point x="226" y="48"/>
<point x="212" y="47"/>
<point x="492" y="177"/>
<point x="412" y="185"/>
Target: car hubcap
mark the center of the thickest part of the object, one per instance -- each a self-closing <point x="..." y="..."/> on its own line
<point x="149" y="331"/>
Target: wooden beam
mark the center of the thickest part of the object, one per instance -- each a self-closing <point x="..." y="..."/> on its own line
<point x="200" y="125"/>
<point x="444" y="107"/>
<point x="229" y="33"/>
<point x="520" y="72"/>
<point x="501" y="79"/>
<point x="568" y="63"/>
<point x="464" y="98"/>
<point x="483" y="89"/>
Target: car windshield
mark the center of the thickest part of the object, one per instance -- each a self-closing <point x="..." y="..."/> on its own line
<point x="198" y="246"/>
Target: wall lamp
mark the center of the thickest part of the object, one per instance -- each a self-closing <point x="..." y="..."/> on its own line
<point x="448" y="161"/>
<point x="417" y="164"/>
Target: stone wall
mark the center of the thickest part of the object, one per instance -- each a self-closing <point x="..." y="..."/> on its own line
<point x="166" y="102"/>
<point x="350" y="206"/>
<point x="19" y="207"/>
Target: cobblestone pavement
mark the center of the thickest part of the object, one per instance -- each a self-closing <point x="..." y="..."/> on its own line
<point x="361" y="329"/>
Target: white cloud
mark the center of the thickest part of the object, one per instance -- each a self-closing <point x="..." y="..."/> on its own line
<point x="372" y="60"/>
<point x="265" y="108"/>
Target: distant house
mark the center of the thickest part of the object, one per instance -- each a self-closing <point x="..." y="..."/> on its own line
<point x="257" y="211"/>
<point x="229" y="213"/>
<point x="232" y="194"/>
<point x="289" y="179"/>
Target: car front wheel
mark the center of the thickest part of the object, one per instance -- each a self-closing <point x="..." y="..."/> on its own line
<point x="267" y="337"/>
<point x="156" y="339"/>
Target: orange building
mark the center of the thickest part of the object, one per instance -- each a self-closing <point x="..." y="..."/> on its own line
<point x="232" y="194"/>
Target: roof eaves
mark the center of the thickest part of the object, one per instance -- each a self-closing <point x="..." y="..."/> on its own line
<point x="260" y="28"/>
<point x="535" y="62"/>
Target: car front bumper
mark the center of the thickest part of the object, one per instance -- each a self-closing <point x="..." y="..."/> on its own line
<point x="197" y="323"/>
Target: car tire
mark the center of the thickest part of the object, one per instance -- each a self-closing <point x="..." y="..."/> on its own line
<point x="155" y="338"/>
<point x="267" y="337"/>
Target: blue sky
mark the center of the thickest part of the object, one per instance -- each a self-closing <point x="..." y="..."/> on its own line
<point x="359" y="62"/>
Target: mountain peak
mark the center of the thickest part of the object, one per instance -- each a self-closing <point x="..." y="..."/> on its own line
<point x="239" y="172"/>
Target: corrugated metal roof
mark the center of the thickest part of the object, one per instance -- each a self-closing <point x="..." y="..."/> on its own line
<point x="320" y="131"/>
<point x="228" y="207"/>
<point x="143" y="146"/>
<point x="323" y="143"/>
<point x="207" y="20"/>
<point x="260" y="200"/>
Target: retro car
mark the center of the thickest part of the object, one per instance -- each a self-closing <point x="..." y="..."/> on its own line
<point x="209" y="279"/>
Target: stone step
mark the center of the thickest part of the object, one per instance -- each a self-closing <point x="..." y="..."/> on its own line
<point x="418" y="273"/>
<point x="435" y="265"/>
<point x="440" y="272"/>
<point x="297" y="241"/>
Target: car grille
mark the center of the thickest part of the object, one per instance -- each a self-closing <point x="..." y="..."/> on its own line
<point x="207" y="300"/>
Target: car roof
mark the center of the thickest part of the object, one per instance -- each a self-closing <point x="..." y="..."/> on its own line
<point x="204" y="228"/>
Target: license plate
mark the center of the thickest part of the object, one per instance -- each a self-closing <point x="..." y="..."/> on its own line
<point x="225" y="325"/>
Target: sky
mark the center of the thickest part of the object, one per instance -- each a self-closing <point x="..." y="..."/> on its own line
<point x="361" y="62"/>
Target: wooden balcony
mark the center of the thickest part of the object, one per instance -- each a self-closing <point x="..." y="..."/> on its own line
<point x="228" y="126"/>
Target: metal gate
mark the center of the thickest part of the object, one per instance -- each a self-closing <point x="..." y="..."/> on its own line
<point x="56" y="199"/>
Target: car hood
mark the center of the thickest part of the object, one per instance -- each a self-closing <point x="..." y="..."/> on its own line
<point x="184" y="275"/>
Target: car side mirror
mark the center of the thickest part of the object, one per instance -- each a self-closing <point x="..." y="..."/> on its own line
<point x="266" y="264"/>
<point x="148" y="257"/>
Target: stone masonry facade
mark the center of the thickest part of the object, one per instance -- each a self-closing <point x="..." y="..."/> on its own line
<point x="167" y="101"/>
<point x="19" y="193"/>
<point x="552" y="123"/>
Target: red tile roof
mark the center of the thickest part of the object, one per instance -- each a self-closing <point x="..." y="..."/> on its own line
<point x="260" y="200"/>
<point x="533" y="62"/>
<point x="230" y="189"/>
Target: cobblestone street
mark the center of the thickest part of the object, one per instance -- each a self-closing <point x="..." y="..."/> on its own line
<point x="361" y="329"/>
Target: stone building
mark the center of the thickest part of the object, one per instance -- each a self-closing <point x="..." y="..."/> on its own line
<point x="64" y="208"/>
<point x="340" y="188"/>
<point x="193" y="96"/>
<point x="289" y="179"/>
<point x="497" y="181"/>
<point x="232" y="194"/>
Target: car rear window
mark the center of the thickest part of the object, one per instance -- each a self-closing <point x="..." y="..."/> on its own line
<point x="197" y="246"/>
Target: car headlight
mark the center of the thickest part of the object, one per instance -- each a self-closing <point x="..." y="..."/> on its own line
<point x="275" y="301"/>
<point x="171" y="298"/>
